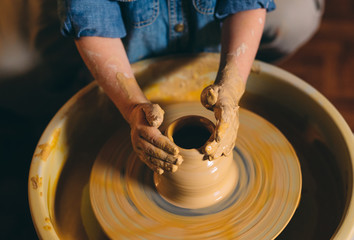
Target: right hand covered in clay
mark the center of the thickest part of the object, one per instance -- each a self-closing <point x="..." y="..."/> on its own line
<point x="157" y="151"/>
<point x="222" y="98"/>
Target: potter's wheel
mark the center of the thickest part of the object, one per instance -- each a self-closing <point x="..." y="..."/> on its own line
<point x="127" y="205"/>
<point x="63" y="160"/>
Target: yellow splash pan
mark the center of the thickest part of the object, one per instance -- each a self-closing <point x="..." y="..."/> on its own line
<point x="62" y="162"/>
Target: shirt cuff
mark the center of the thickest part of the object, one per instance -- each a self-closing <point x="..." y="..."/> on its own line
<point x="81" y="18"/>
<point x="226" y="7"/>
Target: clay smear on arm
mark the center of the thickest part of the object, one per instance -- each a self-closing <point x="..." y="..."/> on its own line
<point x="125" y="84"/>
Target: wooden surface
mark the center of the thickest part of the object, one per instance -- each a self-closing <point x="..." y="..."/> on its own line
<point x="327" y="61"/>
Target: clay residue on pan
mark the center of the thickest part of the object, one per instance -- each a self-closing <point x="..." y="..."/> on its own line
<point x="36" y="182"/>
<point x="181" y="81"/>
<point x="47" y="226"/>
<point x="187" y="85"/>
<point x="47" y="148"/>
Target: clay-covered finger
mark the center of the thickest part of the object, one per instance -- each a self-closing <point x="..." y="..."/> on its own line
<point x="166" y="166"/>
<point x="222" y="149"/>
<point x="219" y="152"/>
<point x="229" y="145"/>
<point x="229" y="149"/>
<point x="209" y="96"/>
<point x="215" y="149"/>
<point x="155" y="137"/>
<point x="163" y="164"/>
<point x="154" y="114"/>
<point x="153" y="151"/>
<point x="147" y="160"/>
<point x="226" y="117"/>
<point x="211" y="147"/>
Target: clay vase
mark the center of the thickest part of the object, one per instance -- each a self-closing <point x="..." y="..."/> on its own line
<point x="198" y="182"/>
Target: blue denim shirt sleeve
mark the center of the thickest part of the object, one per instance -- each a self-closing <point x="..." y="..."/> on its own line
<point x="227" y="7"/>
<point x="91" y="18"/>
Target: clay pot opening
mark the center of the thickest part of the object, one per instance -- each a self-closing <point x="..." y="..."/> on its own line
<point x="197" y="183"/>
<point x="190" y="132"/>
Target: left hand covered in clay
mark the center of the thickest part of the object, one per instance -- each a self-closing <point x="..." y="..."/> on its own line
<point x="222" y="98"/>
<point x="157" y="151"/>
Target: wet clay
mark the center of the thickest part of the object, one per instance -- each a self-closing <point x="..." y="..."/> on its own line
<point x="241" y="49"/>
<point x="198" y="183"/>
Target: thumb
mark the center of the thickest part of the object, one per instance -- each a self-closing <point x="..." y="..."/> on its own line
<point x="153" y="114"/>
<point x="209" y="96"/>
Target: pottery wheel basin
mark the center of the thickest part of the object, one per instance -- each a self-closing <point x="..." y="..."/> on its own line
<point x="61" y="166"/>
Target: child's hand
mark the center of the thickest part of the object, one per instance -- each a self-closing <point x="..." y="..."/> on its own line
<point x="153" y="148"/>
<point x="223" y="98"/>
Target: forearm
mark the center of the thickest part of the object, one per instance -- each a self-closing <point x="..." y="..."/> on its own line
<point x="108" y="63"/>
<point x="241" y="34"/>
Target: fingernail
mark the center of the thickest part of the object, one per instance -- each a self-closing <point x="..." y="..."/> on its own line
<point x="175" y="151"/>
<point x="159" y="171"/>
<point x="174" y="168"/>
<point x="179" y="160"/>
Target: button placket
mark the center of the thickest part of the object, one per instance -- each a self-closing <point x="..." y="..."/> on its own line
<point x="177" y="25"/>
<point x="172" y="18"/>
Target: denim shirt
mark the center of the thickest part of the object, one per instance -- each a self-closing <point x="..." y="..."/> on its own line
<point x="150" y="28"/>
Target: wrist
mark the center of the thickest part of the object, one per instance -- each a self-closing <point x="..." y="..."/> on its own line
<point x="132" y="111"/>
<point x="231" y="82"/>
<point x="235" y="89"/>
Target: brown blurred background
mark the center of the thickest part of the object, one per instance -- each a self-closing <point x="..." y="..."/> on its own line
<point x="33" y="51"/>
<point x="327" y="60"/>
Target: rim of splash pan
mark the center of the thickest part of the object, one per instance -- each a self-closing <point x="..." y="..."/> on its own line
<point x="345" y="229"/>
<point x="42" y="205"/>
